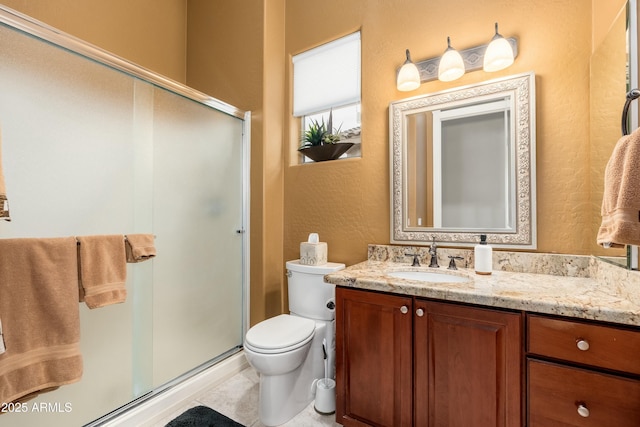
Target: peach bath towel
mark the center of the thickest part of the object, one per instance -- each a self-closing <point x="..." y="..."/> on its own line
<point x="139" y="247"/>
<point x="4" y="203"/>
<point x="40" y="316"/>
<point x="102" y="270"/>
<point x="621" y="199"/>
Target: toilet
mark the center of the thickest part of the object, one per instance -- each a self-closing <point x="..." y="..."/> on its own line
<point x="287" y="350"/>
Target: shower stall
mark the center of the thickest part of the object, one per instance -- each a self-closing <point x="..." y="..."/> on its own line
<point x="92" y="144"/>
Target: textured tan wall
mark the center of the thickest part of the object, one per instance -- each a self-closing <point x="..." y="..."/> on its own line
<point x="605" y="16"/>
<point x="274" y="301"/>
<point x="236" y="53"/>
<point x="149" y="33"/>
<point x="225" y="56"/>
<point x="347" y="201"/>
<point x="607" y="96"/>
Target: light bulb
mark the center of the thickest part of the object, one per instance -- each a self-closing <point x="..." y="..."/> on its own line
<point x="408" y="76"/>
<point x="499" y="53"/>
<point x="451" y="65"/>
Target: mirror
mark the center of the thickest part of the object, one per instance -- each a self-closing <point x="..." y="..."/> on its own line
<point x="463" y="164"/>
<point x="613" y="69"/>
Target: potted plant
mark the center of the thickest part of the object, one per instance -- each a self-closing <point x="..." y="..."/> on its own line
<point x="320" y="141"/>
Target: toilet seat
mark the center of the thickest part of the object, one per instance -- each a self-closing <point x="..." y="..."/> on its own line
<point x="280" y="334"/>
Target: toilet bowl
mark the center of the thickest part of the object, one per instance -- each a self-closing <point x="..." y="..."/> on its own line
<point x="287" y="350"/>
<point x="280" y="344"/>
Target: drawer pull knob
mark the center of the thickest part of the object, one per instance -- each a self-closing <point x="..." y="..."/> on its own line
<point x="420" y="312"/>
<point x="583" y="345"/>
<point x="583" y="411"/>
<point x="404" y="309"/>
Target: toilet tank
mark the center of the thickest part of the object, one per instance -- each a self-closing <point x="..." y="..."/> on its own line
<point x="309" y="295"/>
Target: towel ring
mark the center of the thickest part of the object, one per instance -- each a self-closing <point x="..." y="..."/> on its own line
<point x="631" y="95"/>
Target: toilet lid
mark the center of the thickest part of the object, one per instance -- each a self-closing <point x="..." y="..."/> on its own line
<point x="280" y="332"/>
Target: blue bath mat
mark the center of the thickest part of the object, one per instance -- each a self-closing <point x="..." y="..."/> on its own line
<point x="202" y="416"/>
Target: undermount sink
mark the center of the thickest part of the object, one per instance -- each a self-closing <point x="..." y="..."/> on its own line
<point x="428" y="276"/>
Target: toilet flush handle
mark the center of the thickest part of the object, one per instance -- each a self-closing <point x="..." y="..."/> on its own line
<point x="289" y="273"/>
<point x="331" y="305"/>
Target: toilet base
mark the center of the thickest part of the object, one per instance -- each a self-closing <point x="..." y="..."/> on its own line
<point x="282" y="397"/>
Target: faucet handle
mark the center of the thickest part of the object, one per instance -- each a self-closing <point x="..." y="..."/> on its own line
<point x="416" y="260"/>
<point x="434" y="246"/>
<point x="452" y="263"/>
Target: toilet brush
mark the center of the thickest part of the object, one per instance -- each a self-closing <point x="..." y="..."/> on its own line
<point x="326" y="360"/>
<point x="325" y="403"/>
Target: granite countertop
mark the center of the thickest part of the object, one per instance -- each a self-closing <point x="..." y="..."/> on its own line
<point x="580" y="286"/>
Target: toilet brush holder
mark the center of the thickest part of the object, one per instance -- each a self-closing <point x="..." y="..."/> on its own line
<point x="325" y="403"/>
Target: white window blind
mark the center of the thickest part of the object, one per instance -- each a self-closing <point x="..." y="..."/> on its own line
<point x="327" y="76"/>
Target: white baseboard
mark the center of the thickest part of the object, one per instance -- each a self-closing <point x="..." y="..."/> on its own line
<point x="163" y="405"/>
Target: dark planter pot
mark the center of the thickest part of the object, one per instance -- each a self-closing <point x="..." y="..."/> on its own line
<point x="320" y="153"/>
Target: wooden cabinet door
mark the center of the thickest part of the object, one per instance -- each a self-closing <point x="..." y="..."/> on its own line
<point x="373" y="359"/>
<point x="468" y="366"/>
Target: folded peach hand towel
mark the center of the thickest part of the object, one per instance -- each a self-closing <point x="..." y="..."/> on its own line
<point x="4" y="203"/>
<point x="102" y="270"/>
<point x="139" y="247"/>
<point x="40" y="316"/>
<point x="621" y="198"/>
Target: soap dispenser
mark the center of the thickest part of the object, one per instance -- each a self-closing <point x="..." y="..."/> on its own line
<point x="483" y="256"/>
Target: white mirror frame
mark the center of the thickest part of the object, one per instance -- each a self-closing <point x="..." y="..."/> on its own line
<point x="521" y="89"/>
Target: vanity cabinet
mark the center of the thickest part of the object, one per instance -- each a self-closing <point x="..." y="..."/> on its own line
<point x="408" y="361"/>
<point x="582" y="373"/>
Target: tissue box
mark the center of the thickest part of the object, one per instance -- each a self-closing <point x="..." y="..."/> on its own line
<point x="313" y="253"/>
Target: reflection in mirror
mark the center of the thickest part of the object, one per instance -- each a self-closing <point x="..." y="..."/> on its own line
<point x="613" y="72"/>
<point x="463" y="163"/>
<point x="462" y="184"/>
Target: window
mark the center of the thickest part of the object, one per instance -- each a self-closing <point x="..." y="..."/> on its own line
<point x="327" y="79"/>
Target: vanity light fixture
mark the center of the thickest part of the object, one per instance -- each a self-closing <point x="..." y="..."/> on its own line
<point x="408" y="76"/>
<point x="472" y="59"/>
<point x="451" y="65"/>
<point x="499" y="53"/>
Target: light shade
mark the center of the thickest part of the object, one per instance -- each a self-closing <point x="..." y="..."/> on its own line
<point x="451" y="65"/>
<point x="327" y="76"/>
<point x="499" y="53"/>
<point x="408" y="76"/>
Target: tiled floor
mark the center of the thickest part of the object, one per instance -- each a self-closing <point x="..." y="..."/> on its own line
<point x="237" y="398"/>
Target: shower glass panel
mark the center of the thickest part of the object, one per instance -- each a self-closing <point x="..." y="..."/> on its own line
<point x="198" y="204"/>
<point x="89" y="149"/>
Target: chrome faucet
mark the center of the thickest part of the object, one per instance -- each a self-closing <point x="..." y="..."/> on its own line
<point x="433" y="251"/>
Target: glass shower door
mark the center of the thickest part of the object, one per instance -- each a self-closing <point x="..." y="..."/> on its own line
<point x="197" y="212"/>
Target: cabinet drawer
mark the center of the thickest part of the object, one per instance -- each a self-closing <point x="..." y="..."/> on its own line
<point x="556" y="393"/>
<point x="597" y="345"/>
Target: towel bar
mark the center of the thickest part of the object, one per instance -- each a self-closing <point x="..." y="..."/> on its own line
<point x="631" y="95"/>
<point x="124" y="236"/>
